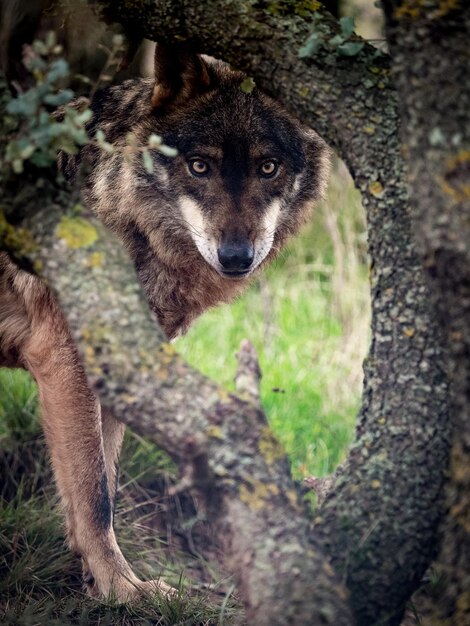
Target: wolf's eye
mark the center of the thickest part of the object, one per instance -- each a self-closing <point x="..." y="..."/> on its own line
<point x="197" y="167"/>
<point x="268" y="169"/>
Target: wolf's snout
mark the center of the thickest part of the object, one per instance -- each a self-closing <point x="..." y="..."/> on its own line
<point x="236" y="258"/>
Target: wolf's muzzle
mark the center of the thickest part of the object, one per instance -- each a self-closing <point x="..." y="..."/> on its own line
<point x="236" y="258"/>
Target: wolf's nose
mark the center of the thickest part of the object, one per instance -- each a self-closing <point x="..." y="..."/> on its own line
<point x="236" y="257"/>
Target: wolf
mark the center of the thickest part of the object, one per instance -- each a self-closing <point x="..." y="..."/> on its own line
<point x="198" y="227"/>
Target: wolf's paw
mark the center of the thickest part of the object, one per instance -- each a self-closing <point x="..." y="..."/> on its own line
<point x="133" y="592"/>
<point x="159" y="587"/>
<point x="124" y="590"/>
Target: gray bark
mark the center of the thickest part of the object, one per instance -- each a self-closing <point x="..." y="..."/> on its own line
<point x="432" y="66"/>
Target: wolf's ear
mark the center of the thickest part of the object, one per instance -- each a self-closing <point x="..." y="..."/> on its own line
<point x="179" y="75"/>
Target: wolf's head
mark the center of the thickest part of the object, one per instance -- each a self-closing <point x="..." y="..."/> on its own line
<point x="245" y="175"/>
<point x="244" y="179"/>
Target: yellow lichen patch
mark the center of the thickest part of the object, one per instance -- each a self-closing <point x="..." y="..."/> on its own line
<point x="454" y="182"/>
<point x="301" y="7"/>
<point x="375" y="484"/>
<point x="256" y="493"/>
<point x="18" y="240"/>
<point x="409" y="331"/>
<point x="304" y="91"/>
<point x="381" y="71"/>
<point x="38" y="266"/>
<point x="446" y="6"/>
<point x="293" y="498"/>
<point x="461" y="473"/>
<point x="89" y="355"/>
<point x="412" y="9"/>
<point x="224" y="395"/>
<point x="161" y="374"/>
<point x="269" y="446"/>
<point x="369" y="130"/>
<point x="95" y="260"/>
<point x="167" y="349"/>
<point x="376" y="189"/>
<point x="460" y="464"/>
<point x="463" y="604"/>
<point x="128" y="398"/>
<point x="167" y="353"/>
<point x="77" y="232"/>
<point x="307" y="6"/>
<point x="461" y="514"/>
<point x="215" y="432"/>
<point x="382" y="421"/>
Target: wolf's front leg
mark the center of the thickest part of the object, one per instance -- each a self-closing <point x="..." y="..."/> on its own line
<point x="86" y="479"/>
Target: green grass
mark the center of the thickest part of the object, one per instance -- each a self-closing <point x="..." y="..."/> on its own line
<point x="40" y="579"/>
<point x="308" y="318"/>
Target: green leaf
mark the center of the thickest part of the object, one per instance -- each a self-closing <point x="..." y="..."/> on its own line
<point x="51" y="39"/>
<point x="248" y="85"/>
<point x="58" y="69"/>
<point x="154" y="141"/>
<point x="148" y="161"/>
<point x="311" y="46"/>
<point x="26" y="104"/>
<point x="347" y="26"/>
<point x="17" y="166"/>
<point x="107" y="147"/>
<point x="350" y="48"/>
<point x="82" y="118"/>
<point x="40" y="47"/>
<point x="336" y="41"/>
<point x="27" y="151"/>
<point x="58" y="99"/>
<point x="168" y="150"/>
<point x="118" y="40"/>
<point x="68" y="145"/>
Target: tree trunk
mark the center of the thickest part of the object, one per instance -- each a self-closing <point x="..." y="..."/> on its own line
<point x="431" y="49"/>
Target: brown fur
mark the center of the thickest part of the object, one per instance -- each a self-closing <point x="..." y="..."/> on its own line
<point x="174" y="225"/>
<point x="199" y="99"/>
